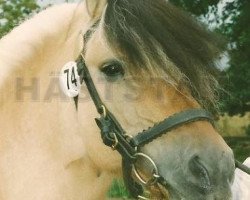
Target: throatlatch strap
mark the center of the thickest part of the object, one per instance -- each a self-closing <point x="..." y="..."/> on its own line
<point x="171" y="123"/>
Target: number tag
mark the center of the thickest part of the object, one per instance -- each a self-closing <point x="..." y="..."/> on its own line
<point x="70" y="80"/>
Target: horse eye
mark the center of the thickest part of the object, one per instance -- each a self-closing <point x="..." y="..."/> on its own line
<point x="113" y="70"/>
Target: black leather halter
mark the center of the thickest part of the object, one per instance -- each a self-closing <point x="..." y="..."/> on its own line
<point x="114" y="136"/>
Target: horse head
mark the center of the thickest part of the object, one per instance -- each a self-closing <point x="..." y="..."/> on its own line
<point x="149" y="61"/>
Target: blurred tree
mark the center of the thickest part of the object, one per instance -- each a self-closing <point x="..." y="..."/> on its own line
<point x="234" y="23"/>
<point x="236" y="26"/>
<point x="13" y="12"/>
<point x="197" y="7"/>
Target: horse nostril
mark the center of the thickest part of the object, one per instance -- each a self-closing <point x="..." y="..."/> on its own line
<point x="201" y="174"/>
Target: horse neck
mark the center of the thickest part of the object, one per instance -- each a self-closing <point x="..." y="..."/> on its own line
<point x="34" y="50"/>
<point x="43" y="43"/>
<point x="38" y="49"/>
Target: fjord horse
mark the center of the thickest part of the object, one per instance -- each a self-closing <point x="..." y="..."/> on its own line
<point x="148" y="61"/>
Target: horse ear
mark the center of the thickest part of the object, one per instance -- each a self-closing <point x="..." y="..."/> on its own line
<point x="95" y="7"/>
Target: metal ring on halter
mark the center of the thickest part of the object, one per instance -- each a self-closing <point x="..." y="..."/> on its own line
<point x="155" y="176"/>
<point x="116" y="141"/>
<point x="104" y="111"/>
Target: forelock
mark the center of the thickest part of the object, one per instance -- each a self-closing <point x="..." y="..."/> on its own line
<point x="155" y="36"/>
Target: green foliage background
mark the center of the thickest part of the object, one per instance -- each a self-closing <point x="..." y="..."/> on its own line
<point x="238" y="34"/>
<point x="234" y="24"/>
<point x="13" y="12"/>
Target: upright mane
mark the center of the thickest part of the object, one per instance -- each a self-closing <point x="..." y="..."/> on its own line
<point x="157" y="37"/>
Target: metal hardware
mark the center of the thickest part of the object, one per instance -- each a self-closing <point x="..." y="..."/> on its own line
<point x="143" y="198"/>
<point x="104" y="111"/>
<point x="128" y="137"/>
<point x="155" y="175"/>
<point x="116" y="141"/>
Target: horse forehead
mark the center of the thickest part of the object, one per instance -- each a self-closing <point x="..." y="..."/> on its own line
<point x="97" y="49"/>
